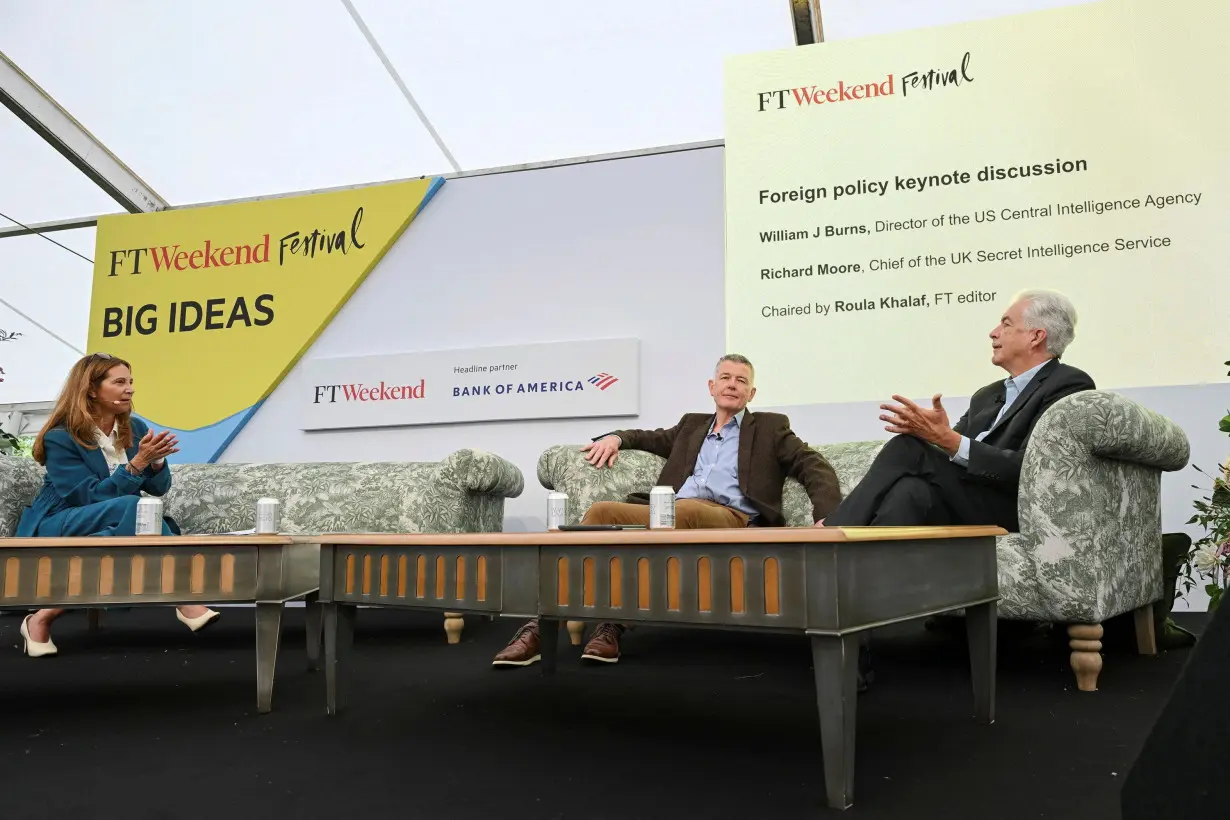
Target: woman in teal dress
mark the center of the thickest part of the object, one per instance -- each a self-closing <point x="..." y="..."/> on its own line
<point x="99" y="460"/>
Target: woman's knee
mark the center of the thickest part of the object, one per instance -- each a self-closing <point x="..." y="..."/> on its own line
<point x="125" y="503"/>
<point x="120" y="510"/>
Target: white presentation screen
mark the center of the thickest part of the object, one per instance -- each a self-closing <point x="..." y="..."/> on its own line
<point x="886" y="197"/>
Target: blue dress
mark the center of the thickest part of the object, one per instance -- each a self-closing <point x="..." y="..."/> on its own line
<point x="80" y="496"/>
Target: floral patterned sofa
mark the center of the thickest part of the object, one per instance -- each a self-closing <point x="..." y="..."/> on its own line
<point x="463" y="493"/>
<point x="1090" y="545"/>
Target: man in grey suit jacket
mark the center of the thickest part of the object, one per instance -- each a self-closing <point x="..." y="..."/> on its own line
<point x="968" y="473"/>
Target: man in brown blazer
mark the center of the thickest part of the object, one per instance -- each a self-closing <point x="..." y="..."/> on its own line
<point x="727" y="468"/>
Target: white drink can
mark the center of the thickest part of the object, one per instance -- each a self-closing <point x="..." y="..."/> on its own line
<point x="557" y="510"/>
<point x="662" y="508"/>
<point x="268" y="516"/>
<point x="149" y="516"/>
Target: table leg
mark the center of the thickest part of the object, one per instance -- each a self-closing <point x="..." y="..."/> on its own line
<point x="339" y="639"/>
<point x="313" y="618"/>
<point x="268" y="633"/>
<point x="836" y="666"/>
<point x="981" y="629"/>
<point x="548" y="642"/>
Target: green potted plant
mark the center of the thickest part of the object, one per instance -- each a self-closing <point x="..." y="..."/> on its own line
<point x="11" y="445"/>
<point x="1208" y="559"/>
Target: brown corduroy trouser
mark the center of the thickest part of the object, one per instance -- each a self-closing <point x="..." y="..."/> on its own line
<point x="690" y="514"/>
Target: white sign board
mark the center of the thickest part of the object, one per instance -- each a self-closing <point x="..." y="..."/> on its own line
<point x="575" y="379"/>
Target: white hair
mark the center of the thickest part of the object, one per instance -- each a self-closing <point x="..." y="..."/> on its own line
<point x="1053" y="312"/>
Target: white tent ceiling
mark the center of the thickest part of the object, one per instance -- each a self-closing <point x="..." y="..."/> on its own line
<point x="215" y="99"/>
<point x="218" y="99"/>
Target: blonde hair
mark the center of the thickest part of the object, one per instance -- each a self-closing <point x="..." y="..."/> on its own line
<point x="73" y="407"/>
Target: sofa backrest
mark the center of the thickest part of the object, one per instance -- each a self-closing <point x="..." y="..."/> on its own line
<point x="1092" y="424"/>
<point x="315" y="497"/>
<point x="849" y="459"/>
<point x="564" y="468"/>
<point x="464" y="492"/>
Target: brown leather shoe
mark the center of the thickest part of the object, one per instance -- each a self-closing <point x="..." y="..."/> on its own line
<point x="522" y="650"/>
<point x="604" y="645"/>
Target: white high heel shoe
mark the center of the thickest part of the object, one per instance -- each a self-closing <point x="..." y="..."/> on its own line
<point x="33" y="648"/>
<point x="199" y="623"/>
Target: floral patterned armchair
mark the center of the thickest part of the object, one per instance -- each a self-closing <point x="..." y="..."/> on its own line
<point x="1090" y="545"/>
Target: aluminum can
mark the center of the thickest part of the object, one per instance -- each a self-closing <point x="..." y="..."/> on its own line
<point x="268" y="516"/>
<point x="662" y="508"/>
<point x="149" y="516"/>
<point x="557" y="510"/>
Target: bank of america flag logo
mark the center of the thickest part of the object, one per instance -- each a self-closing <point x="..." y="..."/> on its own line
<point x="603" y="380"/>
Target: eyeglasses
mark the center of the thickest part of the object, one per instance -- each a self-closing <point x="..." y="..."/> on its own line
<point x="103" y="356"/>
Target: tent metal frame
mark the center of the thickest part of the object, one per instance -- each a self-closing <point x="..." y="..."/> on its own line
<point x="90" y="221"/>
<point x="59" y="129"/>
<point x="38" y="110"/>
<point x="72" y="140"/>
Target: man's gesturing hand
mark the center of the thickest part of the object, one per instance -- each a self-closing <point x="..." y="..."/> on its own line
<point x="602" y="452"/>
<point x="927" y="424"/>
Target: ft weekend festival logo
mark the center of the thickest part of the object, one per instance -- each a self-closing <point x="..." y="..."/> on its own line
<point x="187" y="315"/>
<point x="808" y="96"/>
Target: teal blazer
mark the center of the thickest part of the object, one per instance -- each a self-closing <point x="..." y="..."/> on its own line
<point x="77" y="476"/>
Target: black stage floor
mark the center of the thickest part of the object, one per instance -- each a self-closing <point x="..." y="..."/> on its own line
<point x="145" y="720"/>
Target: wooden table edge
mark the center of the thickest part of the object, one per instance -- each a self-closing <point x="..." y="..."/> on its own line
<point x="755" y="535"/>
<point x="172" y="541"/>
<point x="915" y="533"/>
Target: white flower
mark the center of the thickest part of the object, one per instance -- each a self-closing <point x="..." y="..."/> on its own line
<point x="1207" y="559"/>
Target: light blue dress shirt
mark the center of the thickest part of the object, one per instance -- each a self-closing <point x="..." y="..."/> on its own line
<point x="1014" y="386"/>
<point x="716" y="475"/>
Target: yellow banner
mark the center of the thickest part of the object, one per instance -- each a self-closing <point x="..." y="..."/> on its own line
<point x="213" y="306"/>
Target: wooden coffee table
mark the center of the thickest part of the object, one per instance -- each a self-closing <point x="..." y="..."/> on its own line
<point x="830" y="584"/>
<point x="183" y="570"/>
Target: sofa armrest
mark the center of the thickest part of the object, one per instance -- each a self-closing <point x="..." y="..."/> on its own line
<point x="20" y="481"/>
<point x="1122" y="429"/>
<point x="1089" y="506"/>
<point x="477" y="471"/>
<point x="565" y="468"/>
<point x="467" y="492"/>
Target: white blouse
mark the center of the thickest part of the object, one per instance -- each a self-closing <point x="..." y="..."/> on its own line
<point x="111" y="449"/>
